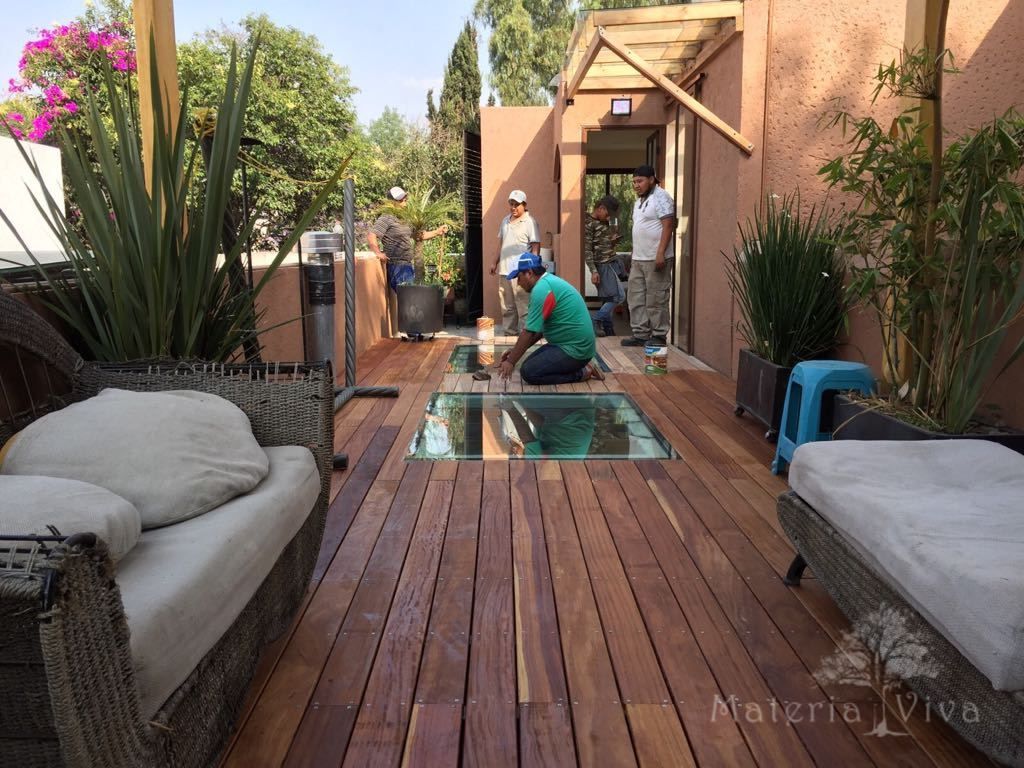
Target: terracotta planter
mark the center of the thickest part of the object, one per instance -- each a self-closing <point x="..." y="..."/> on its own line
<point x="761" y="391"/>
<point x="420" y="309"/>
<point x="853" y="421"/>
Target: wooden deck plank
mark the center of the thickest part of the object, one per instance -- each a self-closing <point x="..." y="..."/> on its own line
<point x="596" y="613"/>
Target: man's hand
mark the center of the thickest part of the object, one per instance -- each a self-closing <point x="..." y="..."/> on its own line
<point x="494" y="268"/>
<point x="504" y="355"/>
<point x="595" y="278"/>
<point x="659" y="263"/>
<point x="506" y="368"/>
<point x="382" y="256"/>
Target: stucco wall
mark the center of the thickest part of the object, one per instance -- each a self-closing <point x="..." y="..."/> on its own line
<point x="806" y="74"/>
<point x="517" y="146"/>
<point x="280" y="300"/>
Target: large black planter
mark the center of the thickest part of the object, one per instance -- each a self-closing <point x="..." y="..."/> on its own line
<point x="853" y="421"/>
<point x="420" y="309"/>
<point x="761" y="390"/>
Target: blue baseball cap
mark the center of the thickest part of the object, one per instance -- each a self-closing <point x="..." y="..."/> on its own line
<point x="527" y="262"/>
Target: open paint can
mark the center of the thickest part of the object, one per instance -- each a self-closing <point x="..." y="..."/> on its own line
<point x="655" y="359"/>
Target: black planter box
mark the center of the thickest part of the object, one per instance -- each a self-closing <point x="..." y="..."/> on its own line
<point x="761" y="390"/>
<point x="853" y="421"/>
<point x="420" y="309"/>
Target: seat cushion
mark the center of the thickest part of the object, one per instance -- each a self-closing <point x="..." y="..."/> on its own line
<point x="53" y="506"/>
<point x="174" y="455"/>
<point x="183" y="585"/>
<point x="942" y="522"/>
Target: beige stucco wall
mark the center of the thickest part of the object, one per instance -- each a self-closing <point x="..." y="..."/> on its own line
<point x="517" y="147"/>
<point x="794" y="86"/>
<point x="280" y="300"/>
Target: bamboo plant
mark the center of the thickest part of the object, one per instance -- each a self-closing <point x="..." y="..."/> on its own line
<point x="939" y="247"/>
<point x="148" y="279"/>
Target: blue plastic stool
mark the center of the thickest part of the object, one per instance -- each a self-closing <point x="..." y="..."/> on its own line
<point x="801" y="413"/>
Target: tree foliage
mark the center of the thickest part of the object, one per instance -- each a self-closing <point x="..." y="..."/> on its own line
<point x="459" y="106"/>
<point x="528" y="40"/>
<point x="300" y="112"/>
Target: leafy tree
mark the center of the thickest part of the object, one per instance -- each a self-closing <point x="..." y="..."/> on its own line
<point x="300" y="112"/>
<point x="528" y="40"/>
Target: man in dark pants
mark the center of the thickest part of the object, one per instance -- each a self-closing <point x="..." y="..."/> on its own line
<point x="557" y="313"/>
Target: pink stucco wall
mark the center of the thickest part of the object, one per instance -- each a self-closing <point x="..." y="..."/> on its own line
<point x="517" y="146"/>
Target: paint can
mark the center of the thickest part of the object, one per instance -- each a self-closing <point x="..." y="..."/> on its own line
<point x="655" y="359"/>
<point x="485" y="329"/>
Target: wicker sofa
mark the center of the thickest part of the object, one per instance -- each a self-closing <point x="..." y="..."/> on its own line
<point x="923" y="541"/>
<point x="68" y="691"/>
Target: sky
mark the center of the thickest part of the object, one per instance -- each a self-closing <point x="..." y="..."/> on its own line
<point x="394" y="49"/>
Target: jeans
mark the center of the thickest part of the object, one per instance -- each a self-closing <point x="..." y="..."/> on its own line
<point x="550" y="365"/>
<point x="609" y="289"/>
<point x="399" y="273"/>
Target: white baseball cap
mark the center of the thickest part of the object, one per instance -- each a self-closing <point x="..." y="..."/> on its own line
<point x="518" y="195"/>
<point x="397" y="194"/>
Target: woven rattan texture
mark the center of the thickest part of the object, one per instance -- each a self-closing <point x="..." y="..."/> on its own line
<point x="999" y="730"/>
<point x="67" y="690"/>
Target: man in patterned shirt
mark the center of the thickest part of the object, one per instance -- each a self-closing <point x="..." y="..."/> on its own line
<point x="599" y="251"/>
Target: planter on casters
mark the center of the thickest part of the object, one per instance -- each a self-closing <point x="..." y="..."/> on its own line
<point x="761" y="391"/>
<point x="853" y="421"/>
<point x="420" y="309"/>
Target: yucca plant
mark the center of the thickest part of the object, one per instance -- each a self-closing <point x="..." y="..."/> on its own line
<point x="787" y="276"/>
<point x="421" y="212"/>
<point x="148" y="279"/>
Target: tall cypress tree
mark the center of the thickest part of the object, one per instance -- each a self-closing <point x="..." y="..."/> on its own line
<point x="459" y="105"/>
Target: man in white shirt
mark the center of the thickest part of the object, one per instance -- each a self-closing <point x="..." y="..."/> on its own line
<point x="650" y="272"/>
<point x="518" y="233"/>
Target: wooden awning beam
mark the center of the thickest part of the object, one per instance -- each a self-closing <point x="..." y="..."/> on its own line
<point x="730" y="31"/>
<point x="603" y="39"/>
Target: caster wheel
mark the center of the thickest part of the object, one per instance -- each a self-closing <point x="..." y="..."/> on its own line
<point x="340" y="461"/>
<point x="740" y="410"/>
<point x="771" y="436"/>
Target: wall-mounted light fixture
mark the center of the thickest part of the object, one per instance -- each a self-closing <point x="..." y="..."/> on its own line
<point x="622" y="107"/>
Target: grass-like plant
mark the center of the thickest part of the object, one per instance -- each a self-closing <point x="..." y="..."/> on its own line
<point x="148" y="278"/>
<point x="787" y="276"/>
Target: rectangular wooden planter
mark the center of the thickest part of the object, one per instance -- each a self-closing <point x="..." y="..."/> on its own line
<point x="852" y="421"/>
<point x="761" y="390"/>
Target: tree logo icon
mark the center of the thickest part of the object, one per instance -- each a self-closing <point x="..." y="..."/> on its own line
<point x="880" y="651"/>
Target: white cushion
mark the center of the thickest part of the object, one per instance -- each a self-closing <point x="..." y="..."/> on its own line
<point x="174" y="455"/>
<point x="183" y="585"/>
<point x="30" y="504"/>
<point x="942" y="522"/>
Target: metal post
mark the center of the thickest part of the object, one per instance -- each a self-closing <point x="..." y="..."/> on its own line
<point x="343" y="394"/>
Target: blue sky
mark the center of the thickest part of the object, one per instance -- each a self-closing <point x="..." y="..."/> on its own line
<point x="394" y="49"/>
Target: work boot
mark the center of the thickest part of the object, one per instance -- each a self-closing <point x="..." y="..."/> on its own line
<point x="633" y="341"/>
<point x="659" y="340"/>
<point x="609" y="329"/>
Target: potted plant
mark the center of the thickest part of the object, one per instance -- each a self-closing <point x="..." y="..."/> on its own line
<point x="938" y="239"/>
<point x="787" y="276"/>
<point x="421" y="303"/>
<point x="147" y="277"/>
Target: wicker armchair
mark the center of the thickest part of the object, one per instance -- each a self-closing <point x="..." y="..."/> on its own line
<point x="67" y="689"/>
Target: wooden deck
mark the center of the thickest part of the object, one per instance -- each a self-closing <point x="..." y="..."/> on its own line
<point x="606" y="613"/>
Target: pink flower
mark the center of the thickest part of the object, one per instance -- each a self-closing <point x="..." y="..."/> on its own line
<point x="16" y="117"/>
<point x="71" y="107"/>
<point x="17" y="133"/>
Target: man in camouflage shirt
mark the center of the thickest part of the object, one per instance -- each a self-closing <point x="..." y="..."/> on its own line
<point x="599" y="251"/>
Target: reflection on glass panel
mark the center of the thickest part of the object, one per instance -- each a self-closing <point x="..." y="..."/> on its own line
<point x="470" y="358"/>
<point x="459" y="425"/>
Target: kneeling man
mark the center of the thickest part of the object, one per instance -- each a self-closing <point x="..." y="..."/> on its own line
<point x="557" y="313"/>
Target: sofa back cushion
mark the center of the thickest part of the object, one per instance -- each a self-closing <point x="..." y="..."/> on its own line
<point x="31" y="505"/>
<point x="174" y="455"/>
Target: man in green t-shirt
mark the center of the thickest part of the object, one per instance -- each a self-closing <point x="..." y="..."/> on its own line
<point x="557" y="313"/>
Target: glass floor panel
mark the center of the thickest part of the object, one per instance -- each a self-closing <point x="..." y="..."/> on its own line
<point x="470" y="358"/>
<point x="478" y="425"/>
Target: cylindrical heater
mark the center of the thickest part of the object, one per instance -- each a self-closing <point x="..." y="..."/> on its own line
<point x="318" y="283"/>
